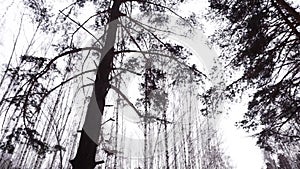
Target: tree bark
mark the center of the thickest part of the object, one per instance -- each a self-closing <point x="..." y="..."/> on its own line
<point x="86" y="153"/>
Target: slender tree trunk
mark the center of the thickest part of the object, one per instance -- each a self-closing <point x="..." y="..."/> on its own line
<point x="147" y="74"/>
<point x="122" y="142"/>
<point x="86" y="153"/>
<point x="145" y="144"/>
<point x="117" y="127"/>
<point x="166" y="139"/>
<point x="191" y="160"/>
<point x="52" y="164"/>
<point x="151" y="144"/>
<point x="174" y="139"/>
<point x="198" y="132"/>
<point x="183" y="144"/>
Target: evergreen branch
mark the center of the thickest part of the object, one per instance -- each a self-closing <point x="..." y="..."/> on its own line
<point x="134" y="108"/>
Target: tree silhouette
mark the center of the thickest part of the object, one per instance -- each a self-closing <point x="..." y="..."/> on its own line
<point x="262" y="39"/>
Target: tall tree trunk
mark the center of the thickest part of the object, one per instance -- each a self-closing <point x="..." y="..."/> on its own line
<point x="166" y="139"/>
<point x="190" y="145"/>
<point x="86" y="153"/>
<point x="117" y="126"/>
<point x="183" y="144"/>
<point x="147" y="91"/>
<point x="198" y="133"/>
<point x="151" y="140"/>
<point x="174" y="139"/>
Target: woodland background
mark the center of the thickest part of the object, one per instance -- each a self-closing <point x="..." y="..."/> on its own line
<point x="74" y="74"/>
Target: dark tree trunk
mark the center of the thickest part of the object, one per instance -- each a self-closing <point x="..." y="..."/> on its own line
<point x="86" y="153"/>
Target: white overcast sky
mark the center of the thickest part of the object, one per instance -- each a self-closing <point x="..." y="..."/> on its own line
<point x="237" y="144"/>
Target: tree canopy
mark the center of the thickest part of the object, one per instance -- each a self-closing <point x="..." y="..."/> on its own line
<point x="262" y="39"/>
